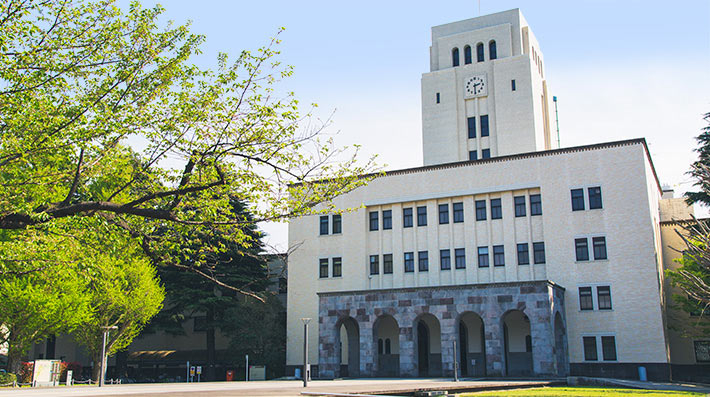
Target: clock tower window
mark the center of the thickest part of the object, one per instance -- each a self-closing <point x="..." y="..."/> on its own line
<point x="492" y="51"/>
<point x="455" y="57"/>
<point x="484" y="125"/>
<point x="467" y="54"/>
<point x="479" y="52"/>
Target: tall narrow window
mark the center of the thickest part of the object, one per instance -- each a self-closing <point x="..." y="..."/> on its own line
<point x="599" y="244"/>
<point x="386" y="219"/>
<point x="407" y="216"/>
<point x="496" y="209"/>
<point x="337" y="267"/>
<point x="604" y="297"/>
<point x="586" y="302"/>
<point x="484" y="125"/>
<point x="374" y="264"/>
<point x="455" y="57"/>
<point x="458" y="212"/>
<point x="445" y="259"/>
<point x="512" y="85"/>
<point x="577" y="199"/>
<point x="443" y="214"/>
<point x="539" y="252"/>
<point x="492" y="50"/>
<point x="590" y="348"/>
<point x="471" y="122"/>
<point x="479" y="52"/>
<point x="480" y="210"/>
<point x="482" y="256"/>
<point x="595" y="197"/>
<point x="467" y="54"/>
<point x="460" y="258"/>
<point x="337" y="224"/>
<point x="421" y="216"/>
<point x="609" y="348"/>
<point x="438" y="97"/>
<point x="374" y="220"/>
<point x="388" y="346"/>
<point x="519" y="206"/>
<point x="535" y="204"/>
<point x="581" y="249"/>
<point x="323" y="267"/>
<point x="324" y="225"/>
<point x="387" y="264"/>
<point x="409" y="262"/>
<point x="498" y="255"/>
<point x="472" y="155"/>
<point x="380" y="350"/>
<point x="423" y="259"/>
<point x="523" y="254"/>
<point x="486" y="153"/>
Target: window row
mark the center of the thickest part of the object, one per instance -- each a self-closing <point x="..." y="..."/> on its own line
<point x="325" y="222"/>
<point x="594" y="198"/>
<point x="334" y="270"/>
<point x="608" y="348"/>
<point x="471" y="124"/>
<point x="586" y="298"/>
<point x="581" y="248"/>
<point x="480" y="53"/>
<point x="421" y="260"/>
<point x="473" y="154"/>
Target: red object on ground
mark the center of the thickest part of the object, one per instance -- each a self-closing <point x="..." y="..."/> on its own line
<point x="230" y="375"/>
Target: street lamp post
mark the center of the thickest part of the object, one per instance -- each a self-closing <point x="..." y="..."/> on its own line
<point x="102" y="374"/>
<point x="305" y="351"/>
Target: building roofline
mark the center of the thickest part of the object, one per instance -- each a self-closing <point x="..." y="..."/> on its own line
<point x="677" y="222"/>
<point x="456" y="286"/>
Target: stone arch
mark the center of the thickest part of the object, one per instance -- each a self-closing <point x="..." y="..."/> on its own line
<point x="347" y="351"/>
<point x="471" y="339"/>
<point x="561" y="354"/>
<point x="517" y="343"/>
<point x="427" y="345"/>
<point x="385" y="332"/>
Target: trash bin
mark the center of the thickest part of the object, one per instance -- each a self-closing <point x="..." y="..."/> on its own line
<point x="642" y="374"/>
<point x="230" y="375"/>
<point x="297" y="373"/>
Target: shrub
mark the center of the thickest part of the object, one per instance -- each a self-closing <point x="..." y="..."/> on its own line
<point x="73" y="366"/>
<point x="25" y="375"/>
<point x="7" y="379"/>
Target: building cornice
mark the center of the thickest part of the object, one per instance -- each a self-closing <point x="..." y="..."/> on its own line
<point x="458" y="286"/>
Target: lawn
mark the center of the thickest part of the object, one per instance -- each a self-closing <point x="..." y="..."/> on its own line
<point x="582" y="392"/>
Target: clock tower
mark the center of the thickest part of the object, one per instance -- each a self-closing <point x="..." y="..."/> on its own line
<point x="486" y="93"/>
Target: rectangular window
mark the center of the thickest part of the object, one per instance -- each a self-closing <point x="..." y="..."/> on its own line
<point x="323" y="267"/>
<point x="599" y="244"/>
<point x="604" y="297"/>
<point x="421" y="216"/>
<point x="486" y="153"/>
<point x="577" y="199"/>
<point x="387" y="264"/>
<point x="460" y="258"/>
<point x="482" y="256"/>
<point x="586" y="302"/>
<point x="535" y="204"/>
<point x="480" y="210"/>
<point x="374" y="264"/>
<point x="324" y="225"/>
<point x="590" y="348"/>
<point x="484" y="125"/>
<point x="337" y="267"/>
<point x="374" y="220"/>
<point x="445" y="258"/>
<point x="472" y="155"/>
<point x="539" y="252"/>
<point x="337" y="224"/>
<point x="407" y="217"/>
<point x="496" y="210"/>
<point x="595" y="197"/>
<point x="386" y="219"/>
<point x="512" y="85"/>
<point x="471" y="127"/>
<point x="458" y="212"/>
<point x="523" y="254"/>
<point x="519" y="206"/>
<point x="609" y="348"/>
<point x="423" y="259"/>
<point x="438" y="97"/>
<point x="498" y="255"/>
<point x="443" y="214"/>
<point x="409" y="262"/>
<point x="581" y="249"/>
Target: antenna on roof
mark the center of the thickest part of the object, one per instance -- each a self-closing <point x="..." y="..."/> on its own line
<point x="479" y="8"/>
<point x="557" y="121"/>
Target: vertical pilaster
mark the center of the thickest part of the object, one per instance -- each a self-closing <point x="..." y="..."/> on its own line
<point x="495" y="366"/>
<point x="407" y="353"/>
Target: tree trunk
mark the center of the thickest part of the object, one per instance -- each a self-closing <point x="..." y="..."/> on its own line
<point x="210" y="370"/>
<point x="96" y="370"/>
<point x="14" y="361"/>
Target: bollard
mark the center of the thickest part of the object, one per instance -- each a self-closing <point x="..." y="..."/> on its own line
<point x="642" y="374"/>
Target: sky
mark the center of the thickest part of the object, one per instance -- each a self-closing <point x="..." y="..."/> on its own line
<point x="620" y="69"/>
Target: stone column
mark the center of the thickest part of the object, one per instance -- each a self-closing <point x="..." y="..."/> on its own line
<point x="494" y="343"/>
<point x="407" y="353"/>
<point x="328" y="365"/>
<point x="543" y="342"/>
<point x="368" y="349"/>
<point x="449" y="334"/>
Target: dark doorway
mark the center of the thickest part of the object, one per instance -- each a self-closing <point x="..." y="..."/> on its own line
<point x="423" y="348"/>
<point x="463" y="349"/>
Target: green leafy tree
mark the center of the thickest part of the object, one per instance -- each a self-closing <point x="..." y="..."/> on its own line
<point x="699" y="169"/>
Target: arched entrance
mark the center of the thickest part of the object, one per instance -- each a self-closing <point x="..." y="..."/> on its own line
<point x="560" y="346"/>
<point x="518" y="344"/>
<point x="428" y="345"/>
<point x="386" y="334"/>
<point x="348" y="350"/>
<point x="472" y="345"/>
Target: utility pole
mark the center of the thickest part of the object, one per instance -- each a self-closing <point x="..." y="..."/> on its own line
<point x="456" y="365"/>
<point x="557" y="121"/>
<point x="102" y="373"/>
<point x="305" y="351"/>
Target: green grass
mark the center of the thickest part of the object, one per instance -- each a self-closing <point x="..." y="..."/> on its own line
<point x="582" y="392"/>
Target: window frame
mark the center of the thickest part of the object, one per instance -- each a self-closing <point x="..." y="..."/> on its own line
<point x="536" y="245"/>
<point x="480" y="206"/>
<point x="455" y="57"/>
<point x="581" y="249"/>
<point x="386" y="219"/>
<point x="324" y="224"/>
<point x="536" y="206"/>
<point x="421" y="216"/>
<point x="586" y="298"/>
<point x="471" y="125"/>
<point x="577" y="197"/>
<point x="460" y="258"/>
<point x="498" y="255"/>
<point x="485" y="126"/>
<point x="608" y="305"/>
<point x="480" y="52"/>
<point x="604" y="347"/>
<point x="339" y="261"/>
<point x="445" y="260"/>
<point x="483" y="257"/>
<point x="387" y="263"/>
<point x="601" y="254"/>
<point x="588" y="349"/>
<point x="407" y="217"/>
<point x="374" y="221"/>
<point x="337" y="220"/>
<point x="472" y="155"/>
<point x="458" y="212"/>
<point x="323" y="264"/>
<point x="423" y="261"/>
<point x="467" y="58"/>
<point x="409" y="262"/>
<point x="485" y="154"/>
<point x="598" y="203"/>
<point x="527" y="253"/>
<point x="374" y="265"/>
<point x="492" y="50"/>
<point x="444" y="215"/>
<point x="520" y="205"/>
<point x="496" y="208"/>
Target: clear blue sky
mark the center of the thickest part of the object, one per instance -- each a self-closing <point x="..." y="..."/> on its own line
<point x="621" y="69"/>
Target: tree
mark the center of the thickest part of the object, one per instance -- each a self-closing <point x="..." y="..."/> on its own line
<point x="81" y="81"/>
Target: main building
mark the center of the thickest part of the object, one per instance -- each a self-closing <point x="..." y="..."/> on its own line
<point x="503" y="252"/>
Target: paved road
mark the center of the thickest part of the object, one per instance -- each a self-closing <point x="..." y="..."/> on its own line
<point x="267" y="388"/>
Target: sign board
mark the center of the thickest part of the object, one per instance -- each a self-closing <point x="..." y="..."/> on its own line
<point x="46" y="372"/>
<point x="70" y="374"/>
<point x="257" y="372"/>
<point x="192" y="370"/>
<point x="199" y="369"/>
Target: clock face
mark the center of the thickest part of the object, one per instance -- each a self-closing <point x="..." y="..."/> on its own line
<point x="476" y="86"/>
